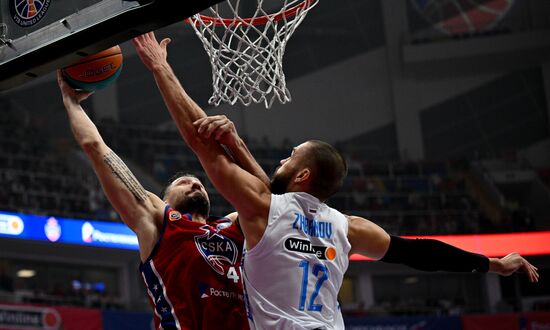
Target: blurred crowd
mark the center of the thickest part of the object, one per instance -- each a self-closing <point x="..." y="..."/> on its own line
<point x="44" y="176"/>
<point x="430" y="197"/>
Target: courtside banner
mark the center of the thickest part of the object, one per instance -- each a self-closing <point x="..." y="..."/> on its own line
<point x="64" y="230"/>
<point x="80" y="318"/>
<point x="404" y="323"/>
<point x="535" y="321"/>
<point x="29" y="317"/>
<point x="117" y="235"/>
<point x="508" y="321"/>
<point x="119" y="320"/>
<point x="24" y="317"/>
<point x="494" y="245"/>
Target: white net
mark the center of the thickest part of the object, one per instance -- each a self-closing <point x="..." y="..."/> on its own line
<point x="247" y="53"/>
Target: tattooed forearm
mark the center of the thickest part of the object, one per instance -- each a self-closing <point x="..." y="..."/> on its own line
<point x="124" y="174"/>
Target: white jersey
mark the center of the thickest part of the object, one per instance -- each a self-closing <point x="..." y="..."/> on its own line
<point x="293" y="275"/>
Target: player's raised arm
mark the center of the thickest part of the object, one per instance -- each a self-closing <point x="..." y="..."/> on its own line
<point x="370" y="240"/>
<point x="246" y="192"/>
<point x="154" y="56"/>
<point x="221" y="129"/>
<point x="139" y="209"/>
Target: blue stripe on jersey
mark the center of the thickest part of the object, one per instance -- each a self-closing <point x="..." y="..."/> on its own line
<point x="157" y="291"/>
<point x="246" y="301"/>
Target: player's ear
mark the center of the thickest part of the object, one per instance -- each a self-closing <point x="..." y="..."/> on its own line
<point x="303" y="175"/>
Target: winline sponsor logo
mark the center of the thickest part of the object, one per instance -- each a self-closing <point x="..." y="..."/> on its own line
<point x="305" y="246"/>
<point x="25" y="317"/>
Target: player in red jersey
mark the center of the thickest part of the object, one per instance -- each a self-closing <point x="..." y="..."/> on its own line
<point x="190" y="262"/>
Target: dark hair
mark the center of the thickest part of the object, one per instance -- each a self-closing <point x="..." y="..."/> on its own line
<point x="329" y="169"/>
<point x="173" y="178"/>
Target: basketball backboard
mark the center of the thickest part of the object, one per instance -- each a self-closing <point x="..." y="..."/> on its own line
<point x="39" y="36"/>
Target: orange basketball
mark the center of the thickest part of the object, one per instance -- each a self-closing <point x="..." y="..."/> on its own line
<point x="96" y="71"/>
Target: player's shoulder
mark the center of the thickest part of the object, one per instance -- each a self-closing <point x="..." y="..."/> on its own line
<point x="227" y="228"/>
<point x="222" y="222"/>
<point x="233" y="216"/>
<point x="357" y="222"/>
<point x="300" y="196"/>
<point x="354" y="218"/>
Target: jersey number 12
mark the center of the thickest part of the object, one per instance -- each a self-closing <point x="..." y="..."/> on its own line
<point x="320" y="271"/>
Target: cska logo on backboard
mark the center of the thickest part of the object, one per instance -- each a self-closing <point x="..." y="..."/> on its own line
<point x="27" y="13"/>
<point x="216" y="249"/>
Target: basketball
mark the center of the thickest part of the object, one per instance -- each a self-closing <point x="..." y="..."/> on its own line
<point x="96" y="71"/>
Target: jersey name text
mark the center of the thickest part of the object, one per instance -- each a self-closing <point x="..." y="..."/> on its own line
<point x="312" y="227"/>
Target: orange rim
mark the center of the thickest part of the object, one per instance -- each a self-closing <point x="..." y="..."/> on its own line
<point x="262" y="20"/>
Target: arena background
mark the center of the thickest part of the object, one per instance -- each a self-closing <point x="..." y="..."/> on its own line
<point x="440" y="108"/>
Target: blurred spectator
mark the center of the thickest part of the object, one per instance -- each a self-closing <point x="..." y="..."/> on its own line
<point x="6" y="282"/>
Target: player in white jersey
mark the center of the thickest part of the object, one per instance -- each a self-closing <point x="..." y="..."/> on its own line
<point x="302" y="254"/>
<point x="296" y="246"/>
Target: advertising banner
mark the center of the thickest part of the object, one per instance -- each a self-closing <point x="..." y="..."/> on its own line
<point x="80" y="318"/>
<point x="535" y="321"/>
<point x="404" y="323"/>
<point x="28" y="317"/>
<point x="63" y="230"/>
<point x="48" y="318"/>
<point x="117" y="320"/>
<point x="509" y="321"/>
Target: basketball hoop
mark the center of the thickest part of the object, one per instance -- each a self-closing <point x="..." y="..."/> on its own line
<point x="246" y="54"/>
<point x="4" y="40"/>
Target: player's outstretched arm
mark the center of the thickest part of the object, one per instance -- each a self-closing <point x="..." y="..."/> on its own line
<point x="139" y="209"/>
<point x="183" y="109"/>
<point x="370" y="240"/>
<point x="367" y="238"/>
<point x="221" y="129"/>
<point x="513" y="263"/>
<point x="248" y="194"/>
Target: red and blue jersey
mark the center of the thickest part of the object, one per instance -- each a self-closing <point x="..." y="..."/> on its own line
<point x="193" y="274"/>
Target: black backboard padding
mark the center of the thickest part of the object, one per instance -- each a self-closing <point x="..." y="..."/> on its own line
<point x="148" y="16"/>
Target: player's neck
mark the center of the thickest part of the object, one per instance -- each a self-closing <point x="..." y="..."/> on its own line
<point x="199" y="217"/>
<point x="297" y="188"/>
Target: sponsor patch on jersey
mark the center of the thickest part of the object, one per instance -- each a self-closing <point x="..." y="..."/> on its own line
<point x="305" y="246"/>
<point x="205" y="291"/>
<point x="174" y="215"/>
<point x="219" y="251"/>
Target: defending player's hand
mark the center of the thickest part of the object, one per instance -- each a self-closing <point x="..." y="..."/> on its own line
<point x="218" y="127"/>
<point x="513" y="263"/>
<point x="150" y="51"/>
<point x="70" y="95"/>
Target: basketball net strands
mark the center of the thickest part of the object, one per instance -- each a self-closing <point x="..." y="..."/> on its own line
<point x="246" y="53"/>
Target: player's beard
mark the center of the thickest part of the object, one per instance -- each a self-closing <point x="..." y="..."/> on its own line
<point x="194" y="204"/>
<point x="279" y="182"/>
